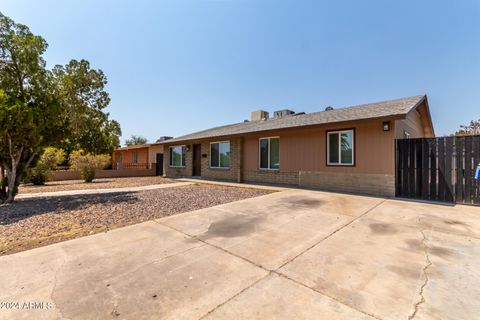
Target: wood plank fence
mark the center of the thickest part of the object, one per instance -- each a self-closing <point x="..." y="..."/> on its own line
<point x="438" y="169"/>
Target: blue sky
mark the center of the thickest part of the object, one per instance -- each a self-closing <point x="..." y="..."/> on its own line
<point x="180" y="66"/>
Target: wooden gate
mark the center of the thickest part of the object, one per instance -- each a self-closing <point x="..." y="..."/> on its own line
<point x="438" y="169"/>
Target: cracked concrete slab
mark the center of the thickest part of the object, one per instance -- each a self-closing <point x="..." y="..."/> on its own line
<point x="259" y="230"/>
<point x="291" y="254"/>
<point x="384" y="263"/>
<point x="370" y="265"/>
<point x="276" y="297"/>
<point x="141" y="271"/>
<point x="453" y="288"/>
<point x="460" y="220"/>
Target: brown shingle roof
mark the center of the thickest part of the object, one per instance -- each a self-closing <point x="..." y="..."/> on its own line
<point x="390" y="108"/>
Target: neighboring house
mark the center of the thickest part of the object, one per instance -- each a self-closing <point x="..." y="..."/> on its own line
<point x="145" y="156"/>
<point x="346" y="149"/>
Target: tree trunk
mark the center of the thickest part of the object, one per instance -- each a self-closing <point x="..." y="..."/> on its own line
<point x="12" y="173"/>
<point x="12" y="179"/>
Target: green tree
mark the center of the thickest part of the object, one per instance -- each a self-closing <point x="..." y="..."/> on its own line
<point x="62" y="107"/>
<point x="135" y="141"/>
<point x="81" y="90"/>
<point x="472" y="128"/>
<point x="28" y="107"/>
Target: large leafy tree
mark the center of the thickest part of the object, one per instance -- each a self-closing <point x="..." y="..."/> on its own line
<point x="81" y="91"/>
<point x="40" y="107"/>
<point x="135" y="141"/>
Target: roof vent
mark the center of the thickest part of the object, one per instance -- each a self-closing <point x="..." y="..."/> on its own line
<point x="282" y="113"/>
<point x="259" y="115"/>
<point x="245" y="121"/>
<point x="329" y="108"/>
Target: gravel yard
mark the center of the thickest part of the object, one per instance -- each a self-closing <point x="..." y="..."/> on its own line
<point x="31" y="223"/>
<point x="96" y="184"/>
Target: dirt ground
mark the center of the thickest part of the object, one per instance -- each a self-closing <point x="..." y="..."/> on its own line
<point x="30" y="223"/>
<point x="96" y="184"/>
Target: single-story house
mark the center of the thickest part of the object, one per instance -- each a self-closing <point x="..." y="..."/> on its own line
<point x="144" y="156"/>
<point x="348" y="149"/>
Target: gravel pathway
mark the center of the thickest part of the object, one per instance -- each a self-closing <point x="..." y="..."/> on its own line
<point x="30" y="223"/>
<point x="96" y="184"/>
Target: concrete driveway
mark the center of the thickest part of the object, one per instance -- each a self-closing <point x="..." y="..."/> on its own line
<point x="293" y="254"/>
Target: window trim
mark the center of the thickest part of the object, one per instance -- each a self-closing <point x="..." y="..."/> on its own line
<point x="181" y="159"/>
<point x="260" y="154"/>
<point x="210" y="155"/>
<point x="327" y="153"/>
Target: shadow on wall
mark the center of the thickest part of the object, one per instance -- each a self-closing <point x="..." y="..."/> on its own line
<point x="25" y="208"/>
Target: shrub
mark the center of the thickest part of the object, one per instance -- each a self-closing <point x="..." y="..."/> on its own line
<point x="87" y="163"/>
<point x="48" y="161"/>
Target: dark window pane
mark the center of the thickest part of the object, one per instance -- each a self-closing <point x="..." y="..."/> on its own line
<point x="333" y="148"/>
<point x="274" y="153"/>
<point x="347" y="147"/>
<point x="214" y="155"/>
<point x="184" y="151"/>
<point x="225" y="154"/>
<point x="264" y="153"/>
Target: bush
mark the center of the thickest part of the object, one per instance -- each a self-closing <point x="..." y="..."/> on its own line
<point x="87" y="163"/>
<point x="48" y="161"/>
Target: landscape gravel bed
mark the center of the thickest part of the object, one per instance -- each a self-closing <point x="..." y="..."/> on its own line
<point x="30" y="223"/>
<point x="96" y="184"/>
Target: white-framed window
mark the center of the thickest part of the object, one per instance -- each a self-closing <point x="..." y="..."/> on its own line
<point x="340" y="147"/>
<point x="220" y="154"/>
<point x="134" y="157"/>
<point x="269" y="151"/>
<point x="177" y="156"/>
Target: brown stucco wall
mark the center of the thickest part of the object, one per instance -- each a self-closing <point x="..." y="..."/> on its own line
<point x="305" y="149"/>
<point x="128" y="155"/>
<point x="303" y="160"/>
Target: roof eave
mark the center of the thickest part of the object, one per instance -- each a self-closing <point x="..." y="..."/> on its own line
<point x="429" y="116"/>
<point x="384" y="118"/>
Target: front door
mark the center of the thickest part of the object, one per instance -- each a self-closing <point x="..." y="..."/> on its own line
<point x="197" y="160"/>
<point x="159" y="168"/>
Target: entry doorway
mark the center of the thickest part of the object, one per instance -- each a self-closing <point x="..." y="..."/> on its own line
<point x="197" y="160"/>
<point x="159" y="164"/>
